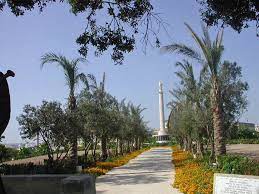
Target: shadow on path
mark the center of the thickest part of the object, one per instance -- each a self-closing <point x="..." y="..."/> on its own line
<point x="150" y="172"/>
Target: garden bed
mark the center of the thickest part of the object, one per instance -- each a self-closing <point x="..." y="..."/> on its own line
<point x="196" y="175"/>
<point x="102" y="168"/>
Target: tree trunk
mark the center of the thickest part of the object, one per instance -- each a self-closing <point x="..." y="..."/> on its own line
<point x="185" y="147"/>
<point x="94" y="149"/>
<point x="200" y="149"/>
<point x="117" y="147"/>
<point x="136" y="144"/>
<point x="74" y="155"/>
<point x="86" y="150"/>
<point x="189" y="144"/>
<point x="120" y="147"/>
<point x="104" y="155"/>
<point x="128" y="146"/>
<point x="219" y="140"/>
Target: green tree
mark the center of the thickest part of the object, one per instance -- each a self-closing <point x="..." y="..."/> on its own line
<point x="72" y="76"/>
<point x="51" y="123"/>
<point x="110" y="25"/>
<point x="116" y="125"/>
<point x="233" y="94"/>
<point x="97" y="106"/>
<point x="209" y="55"/>
<point x="191" y="116"/>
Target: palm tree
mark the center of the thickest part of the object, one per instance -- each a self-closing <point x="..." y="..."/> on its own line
<point x="73" y="77"/>
<point x="209" y="55"/>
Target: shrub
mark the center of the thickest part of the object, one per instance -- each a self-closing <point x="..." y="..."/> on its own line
<point x="31" y="168"/>
<point x="243" y="141"/>
<point x="233" y="164"/>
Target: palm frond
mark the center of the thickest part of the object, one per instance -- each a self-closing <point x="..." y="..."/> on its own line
<point x="183" y="50"/>
<point x="78" y="60"/>
<point x="200" y="43"/>
<point x="206" y="39"/>
<point x="84" y="79"/>
<point x="70" y="68"/>
<point x="49" y="58"/>
<point x="219" y="38"/>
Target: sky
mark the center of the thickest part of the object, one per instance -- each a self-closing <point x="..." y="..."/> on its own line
<point x="23" y="40"/>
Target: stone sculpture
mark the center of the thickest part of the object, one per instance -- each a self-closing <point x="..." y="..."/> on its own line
<point x="5" y="108"/>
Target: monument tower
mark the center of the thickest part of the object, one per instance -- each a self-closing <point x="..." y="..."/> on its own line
<point x="162" y="136"/>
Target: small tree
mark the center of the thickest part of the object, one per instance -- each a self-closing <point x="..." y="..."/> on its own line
<point x="51" y="123"/>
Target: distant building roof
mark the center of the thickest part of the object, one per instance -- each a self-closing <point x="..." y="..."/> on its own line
<point x="246" y="124"/>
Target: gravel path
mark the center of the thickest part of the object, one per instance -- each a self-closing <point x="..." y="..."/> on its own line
<point x="149" y="173"/>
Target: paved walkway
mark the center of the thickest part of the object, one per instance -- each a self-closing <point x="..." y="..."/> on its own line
<point x="149" y="173"/>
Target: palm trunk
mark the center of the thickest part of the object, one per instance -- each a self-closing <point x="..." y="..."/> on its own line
<point x="74" y="155"/>
<point x="219" y="140"/>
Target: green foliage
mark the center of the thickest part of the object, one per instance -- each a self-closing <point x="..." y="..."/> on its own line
<point x="51" y="123"/>
<point x="120" y="22"/>
<point x="208" y="102"/>
<point x="238" y="165"/>
<point x="7" y="153"/>
<point x="24" y="152"/>
<point x="243" y="141"/>
<point x="31" y="168"/>
<point x="240" y="131"/>
<point x="235" y="13"/>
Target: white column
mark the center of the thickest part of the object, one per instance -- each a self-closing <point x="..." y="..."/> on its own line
<point x="161" y="109"/>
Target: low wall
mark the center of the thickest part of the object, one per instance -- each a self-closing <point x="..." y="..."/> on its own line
<point x="49" y="184"/>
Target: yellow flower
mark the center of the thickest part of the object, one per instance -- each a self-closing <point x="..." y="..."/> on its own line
<point x="102" y="168"/>
<point x="191" y="177"/>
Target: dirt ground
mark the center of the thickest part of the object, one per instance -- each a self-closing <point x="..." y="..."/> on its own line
<point x="249" y="150"/>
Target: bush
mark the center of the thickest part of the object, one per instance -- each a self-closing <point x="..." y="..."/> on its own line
<point x="232" y="164"/>
<point x="243" y="141"/>
<point x="31" y="168"/>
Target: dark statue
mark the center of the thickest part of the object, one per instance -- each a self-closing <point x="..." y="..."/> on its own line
<point x="5" y="108"/>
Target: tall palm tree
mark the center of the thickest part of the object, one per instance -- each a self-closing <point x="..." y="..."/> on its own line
<point x="73" y="77"/>
<point x="209" y="55"/>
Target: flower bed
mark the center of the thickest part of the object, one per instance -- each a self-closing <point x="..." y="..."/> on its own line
<point x="102" y="168"/>
<point x="191" y="177"/>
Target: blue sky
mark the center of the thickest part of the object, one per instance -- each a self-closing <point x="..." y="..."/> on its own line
<point x="25" y="39"/>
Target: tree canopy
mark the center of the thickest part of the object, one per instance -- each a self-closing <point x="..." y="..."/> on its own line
<point x="238" y="14"/>
<point x="120" y="22"/>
